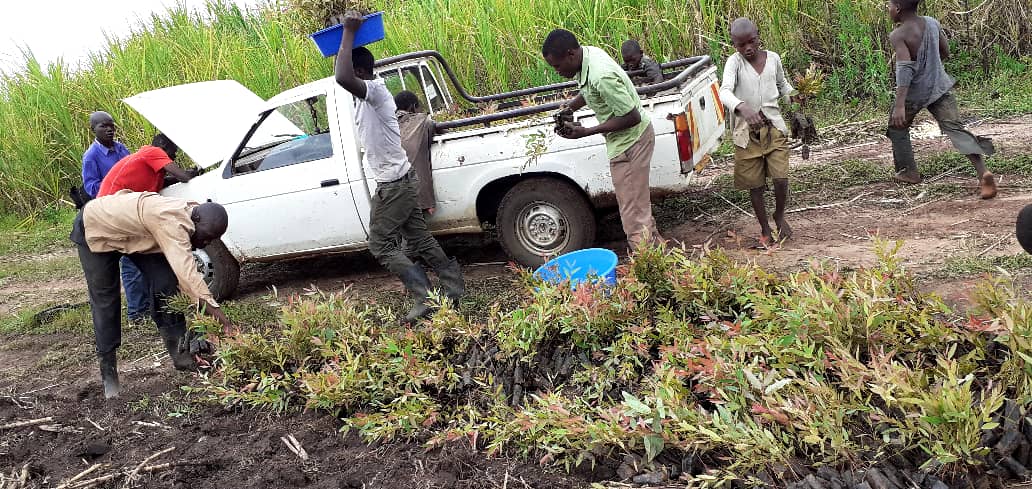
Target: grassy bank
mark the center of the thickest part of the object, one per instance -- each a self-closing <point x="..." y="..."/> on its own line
<point x="493" y="44"/>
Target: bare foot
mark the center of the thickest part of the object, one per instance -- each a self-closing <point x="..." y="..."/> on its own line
<point x="784" y="230"/>
<point x="765" y="242"/>
<point x="911" y="177"/>
<point x="988" y="186"/>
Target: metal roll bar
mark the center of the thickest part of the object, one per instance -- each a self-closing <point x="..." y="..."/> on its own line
<point x="695" y="65"/>
<point x="690" y="62"/>
<point x="458" y="86"/>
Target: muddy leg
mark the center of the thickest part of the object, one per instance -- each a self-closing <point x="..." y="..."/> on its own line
<point x="760" y="209"/>
<point x="903" y="149"/>
<point x="976" y="148"/>
<point x="780" y="201"/>
<point x="986" y="180"/>
<point x="979" y="163"/>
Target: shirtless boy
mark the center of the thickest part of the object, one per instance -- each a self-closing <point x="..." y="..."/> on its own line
<point x="922" y="82"/>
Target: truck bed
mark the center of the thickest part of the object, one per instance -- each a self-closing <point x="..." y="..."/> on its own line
<point x="689" y="68"/>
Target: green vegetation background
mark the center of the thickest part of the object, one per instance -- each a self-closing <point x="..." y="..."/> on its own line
<point x="494" y="46"/>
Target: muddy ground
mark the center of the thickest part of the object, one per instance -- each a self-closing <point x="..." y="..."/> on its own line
<point x="51" y="374"/>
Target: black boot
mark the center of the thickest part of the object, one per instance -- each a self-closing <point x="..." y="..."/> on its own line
<point x="109" y="374"/>
<point x="418" y="285"/>
<point x="173" y="337"/>
<point x="451" y="281"/>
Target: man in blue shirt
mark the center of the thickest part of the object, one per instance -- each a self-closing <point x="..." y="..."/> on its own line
<point x="102" y="154"/>
<point x="96" y="163"/>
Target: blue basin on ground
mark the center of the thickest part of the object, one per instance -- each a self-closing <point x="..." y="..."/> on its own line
<point x="580" y="266"/>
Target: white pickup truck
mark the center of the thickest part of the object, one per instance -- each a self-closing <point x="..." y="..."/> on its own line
<point x="290" y="170"/>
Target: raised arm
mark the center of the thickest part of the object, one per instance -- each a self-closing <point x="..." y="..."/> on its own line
<point x="343" y="69"/>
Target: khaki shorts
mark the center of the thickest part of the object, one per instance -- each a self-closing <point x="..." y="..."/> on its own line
<point x="765" y="157"/>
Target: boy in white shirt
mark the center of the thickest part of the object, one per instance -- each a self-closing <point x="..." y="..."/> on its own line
<point x="754" y="81"/>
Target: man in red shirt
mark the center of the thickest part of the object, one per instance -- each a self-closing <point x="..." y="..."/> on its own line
<point x="145" y="170"/>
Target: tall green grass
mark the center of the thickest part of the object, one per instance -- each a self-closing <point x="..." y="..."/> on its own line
<point x="43" y="110"/>
<point x="493" y="44"/>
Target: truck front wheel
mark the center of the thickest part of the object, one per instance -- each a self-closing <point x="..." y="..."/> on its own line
<point x="220" y="270"/>
<point x="540" y="218"/>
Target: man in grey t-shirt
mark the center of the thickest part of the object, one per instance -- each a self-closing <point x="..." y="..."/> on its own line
<point x="395" y="213"/>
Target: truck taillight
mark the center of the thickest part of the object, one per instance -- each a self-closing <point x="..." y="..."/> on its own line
<point x="684" y="138"/>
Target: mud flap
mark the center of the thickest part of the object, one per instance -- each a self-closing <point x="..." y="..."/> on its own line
<point x="687" y="167"/>
<point x="703" y="163"/>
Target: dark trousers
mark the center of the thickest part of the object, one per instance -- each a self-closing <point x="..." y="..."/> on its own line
<point x="411" y="251"/>
<point x="947" y="115"/>
<point x="397" y="223"/>
<point x="102" y="280"/>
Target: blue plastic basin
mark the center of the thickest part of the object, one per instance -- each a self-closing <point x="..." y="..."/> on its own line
<point x="328" y="39"/>
<point x="580" y="266"/>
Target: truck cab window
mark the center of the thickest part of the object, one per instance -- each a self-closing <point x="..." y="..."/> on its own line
<point x="434" y="98"/>
<point x="293" y="133"/>
<point x="418" y="80"/>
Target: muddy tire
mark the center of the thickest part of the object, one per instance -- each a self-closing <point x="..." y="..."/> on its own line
<point x="220" y="270"/>
<point x="540" y="218"/>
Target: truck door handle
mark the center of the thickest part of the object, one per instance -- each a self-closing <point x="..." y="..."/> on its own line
<point x="329" y="183"/>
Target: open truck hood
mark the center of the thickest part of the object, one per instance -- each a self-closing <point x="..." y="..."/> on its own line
<point x="207" y="120"/>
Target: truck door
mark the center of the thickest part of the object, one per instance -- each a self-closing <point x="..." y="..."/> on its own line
<point x="287" y="185"/>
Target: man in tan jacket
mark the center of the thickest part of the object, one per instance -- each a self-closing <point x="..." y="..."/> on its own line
<point x="158" y="234"/>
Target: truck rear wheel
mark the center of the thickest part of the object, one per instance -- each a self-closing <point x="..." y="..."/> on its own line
<point x="540" y="218"/>
<point x="220" y="270"/>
